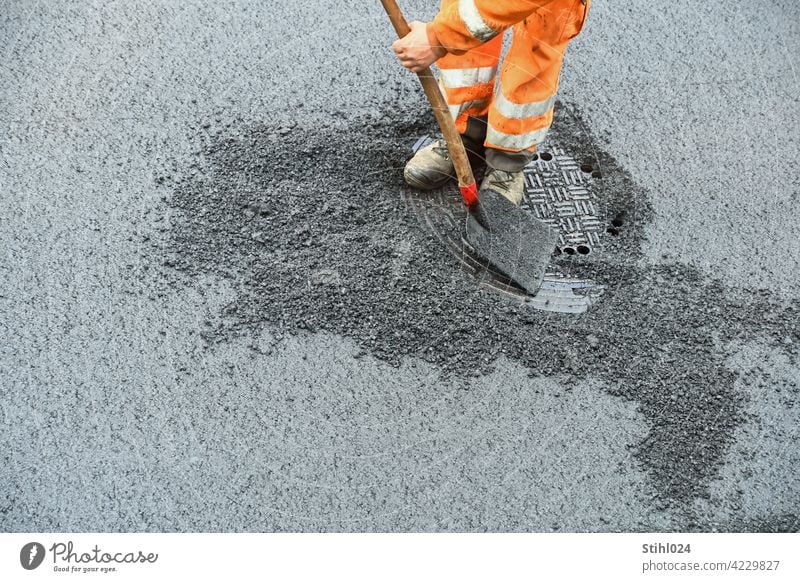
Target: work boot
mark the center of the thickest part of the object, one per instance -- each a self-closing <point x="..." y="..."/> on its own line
<point x="507" y="184"/>
<point x="431" y="167"/>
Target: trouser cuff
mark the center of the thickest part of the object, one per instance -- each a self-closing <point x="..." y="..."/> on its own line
<point x="507" y="161"/>
<point x="473" y="139"/>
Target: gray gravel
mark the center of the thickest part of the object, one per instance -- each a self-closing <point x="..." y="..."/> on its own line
<point x="160" y="373"/>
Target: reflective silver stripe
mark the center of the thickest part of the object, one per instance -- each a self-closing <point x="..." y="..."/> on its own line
<point x="456" y="110"/>
<point x="514" y="141"/>
<point x="521" y="110"/>
<point x="474" y="22"/>
<point x="459" y="108"/>
<point x="457" y="78"/>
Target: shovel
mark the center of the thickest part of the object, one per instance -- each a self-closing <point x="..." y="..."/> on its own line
<point x="513" y="242"/>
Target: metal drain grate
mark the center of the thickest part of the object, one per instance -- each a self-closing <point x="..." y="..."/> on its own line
<point x="558" y="192"/>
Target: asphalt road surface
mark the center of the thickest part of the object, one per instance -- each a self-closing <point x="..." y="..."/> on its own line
<point x="220" y="309"/>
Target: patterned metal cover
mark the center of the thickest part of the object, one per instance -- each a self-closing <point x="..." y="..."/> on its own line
<point x="559" y="193"/>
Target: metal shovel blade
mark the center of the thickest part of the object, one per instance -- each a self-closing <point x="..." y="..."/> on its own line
<point x="513" y="242"/>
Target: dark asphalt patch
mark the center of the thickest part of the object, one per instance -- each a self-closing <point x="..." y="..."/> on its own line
<point x="310" y="228"/>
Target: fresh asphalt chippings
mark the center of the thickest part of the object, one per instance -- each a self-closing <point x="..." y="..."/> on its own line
<point x="309" y="226"/>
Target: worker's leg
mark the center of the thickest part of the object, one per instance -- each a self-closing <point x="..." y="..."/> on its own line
<point x="522" y="108"/>
<point x="467" y="82"/>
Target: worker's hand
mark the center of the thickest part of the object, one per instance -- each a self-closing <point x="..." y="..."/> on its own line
<point x="417" y="50"/>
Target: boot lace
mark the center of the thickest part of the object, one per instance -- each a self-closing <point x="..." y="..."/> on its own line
<point x="440" y="147"/>
<point x="502" y="179"/>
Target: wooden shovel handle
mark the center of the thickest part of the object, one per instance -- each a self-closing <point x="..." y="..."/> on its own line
<point x="440" y="110"/>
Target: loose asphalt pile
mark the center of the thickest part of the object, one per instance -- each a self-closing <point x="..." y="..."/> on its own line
<point x="310" y="227"/>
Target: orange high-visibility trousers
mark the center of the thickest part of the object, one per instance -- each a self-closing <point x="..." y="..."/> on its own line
<point x="520" y="108"/>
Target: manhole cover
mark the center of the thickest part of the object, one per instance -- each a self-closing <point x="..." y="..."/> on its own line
<point x="558" y="191"/>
